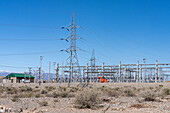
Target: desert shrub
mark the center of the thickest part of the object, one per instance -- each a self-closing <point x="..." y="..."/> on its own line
<point x="70" y="95"/>
<point x="149" y="95"/>
<point x="56" y="100"/>
<point x="62" y="88"/>
<point x="116" y="88"/>
<point x="62" y="94"/>
<point x="161" y="86"/>
<point x="151" y="87"/>
<point x="43" y="92"/>
<point x="141" y="106"/>
<point x="36" y="90"/>
<point x="15" y="98"/>
<point x="43" y="103"/>
<point x="11" y="90"/>
<point x="25" y="95"/>
<point x="104" y="89"/>
<point x="36" y="86"/>
<point x="3" y="95"/>
<point x="1" y="90"/>
<point x="25" y="89"/>
<point x="129" y="92"/>
<point x="50" y="88"/>
<point x="88" y="98"/>
<point x="114" y="93"/>
<point x="50" y="95"/>
<point x="37" y="95"/>
<point x="73" y="89"/>
<point x="166" y="91"/>
<point x="55" y="94"/>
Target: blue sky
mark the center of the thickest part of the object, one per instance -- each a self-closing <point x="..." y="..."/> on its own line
<point x="118" y="30"/>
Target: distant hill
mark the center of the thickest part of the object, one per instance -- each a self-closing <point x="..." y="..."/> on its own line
<point x="4" y="73"/>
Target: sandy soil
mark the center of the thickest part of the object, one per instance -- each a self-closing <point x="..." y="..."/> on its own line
<point x="66" y="105"/>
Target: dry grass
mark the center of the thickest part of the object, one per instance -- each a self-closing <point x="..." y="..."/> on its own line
<point x="166" y="91"/>
<point x="150" y="95"/>
<point x="43" y="103"/>
<point x="88" y="98"/>
<point x="129" y="92"/>
<point x="141" y="106"/>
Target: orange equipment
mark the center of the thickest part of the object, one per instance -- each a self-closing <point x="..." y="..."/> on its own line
<point x="102" y="79"/>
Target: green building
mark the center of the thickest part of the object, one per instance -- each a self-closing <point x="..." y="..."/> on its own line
<point x="18" y="78"/>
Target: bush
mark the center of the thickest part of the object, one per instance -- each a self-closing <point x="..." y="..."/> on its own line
<point x="113" y="93"/>
<point x="43" y="103"/>
<point x="25" y="95"/>
<point x="25" y="89"/>
<point x="62" y="88"/>
<point x="37" y="95"/>
<point x="56" y="100"/>
<point x="55" y="95"/>
<point x="50" y="88"/>
<point x="88" y="98"/>
<point x="62" y="94"/>
<point x="11" y="90"/>
<point x="129" y="92"/>
<point x="15" y="98"/>
<point x="149" y="95"/>
<point x="36" y="86"/>
<point x="73" y="89"/>
<point x="166" y="91"/>
<point x="43" y="92"/>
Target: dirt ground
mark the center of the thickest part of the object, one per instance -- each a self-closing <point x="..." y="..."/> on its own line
<point x="121" y="104"/>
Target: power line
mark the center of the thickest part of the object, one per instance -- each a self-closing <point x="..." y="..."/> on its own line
<point x="17" y="39"/>
<point x="30" y="26"/>
<point x="15" y="66"/>
<point x="31" y="53"/>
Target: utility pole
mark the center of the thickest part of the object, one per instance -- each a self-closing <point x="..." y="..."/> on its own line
<point x="30" y="69"/>
<point x="34" y="75"/>
<point x="120" y="72"/>
<point x="137" y="75"/>
<point x="49" y="72"/>
<point x="156" y="76"/>
<point x="144" y="60"/>
<point x="54" y="78"/>
<point x="42" y="76"/>
<point x="62" y="78"/>
<point x="72" y="49"/>
<point x="57" y="74"/>
<point x="41" y="58"/>
<point x="92" y="61"/>
<point x="25" y="76"/>
<point x="39" y="74"/>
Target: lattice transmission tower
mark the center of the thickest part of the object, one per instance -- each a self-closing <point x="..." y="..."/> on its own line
<point x="72" y="60"/>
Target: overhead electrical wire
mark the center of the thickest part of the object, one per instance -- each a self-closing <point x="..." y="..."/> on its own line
<point x="17" y="39"/>
<point x="16" y="66"/>
<point x="31" y="53"/>
<point x="30" y="26"/>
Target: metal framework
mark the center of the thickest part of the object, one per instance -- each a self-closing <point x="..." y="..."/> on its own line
<point x="140" y="73"/>
<point x="92" y="62"/>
